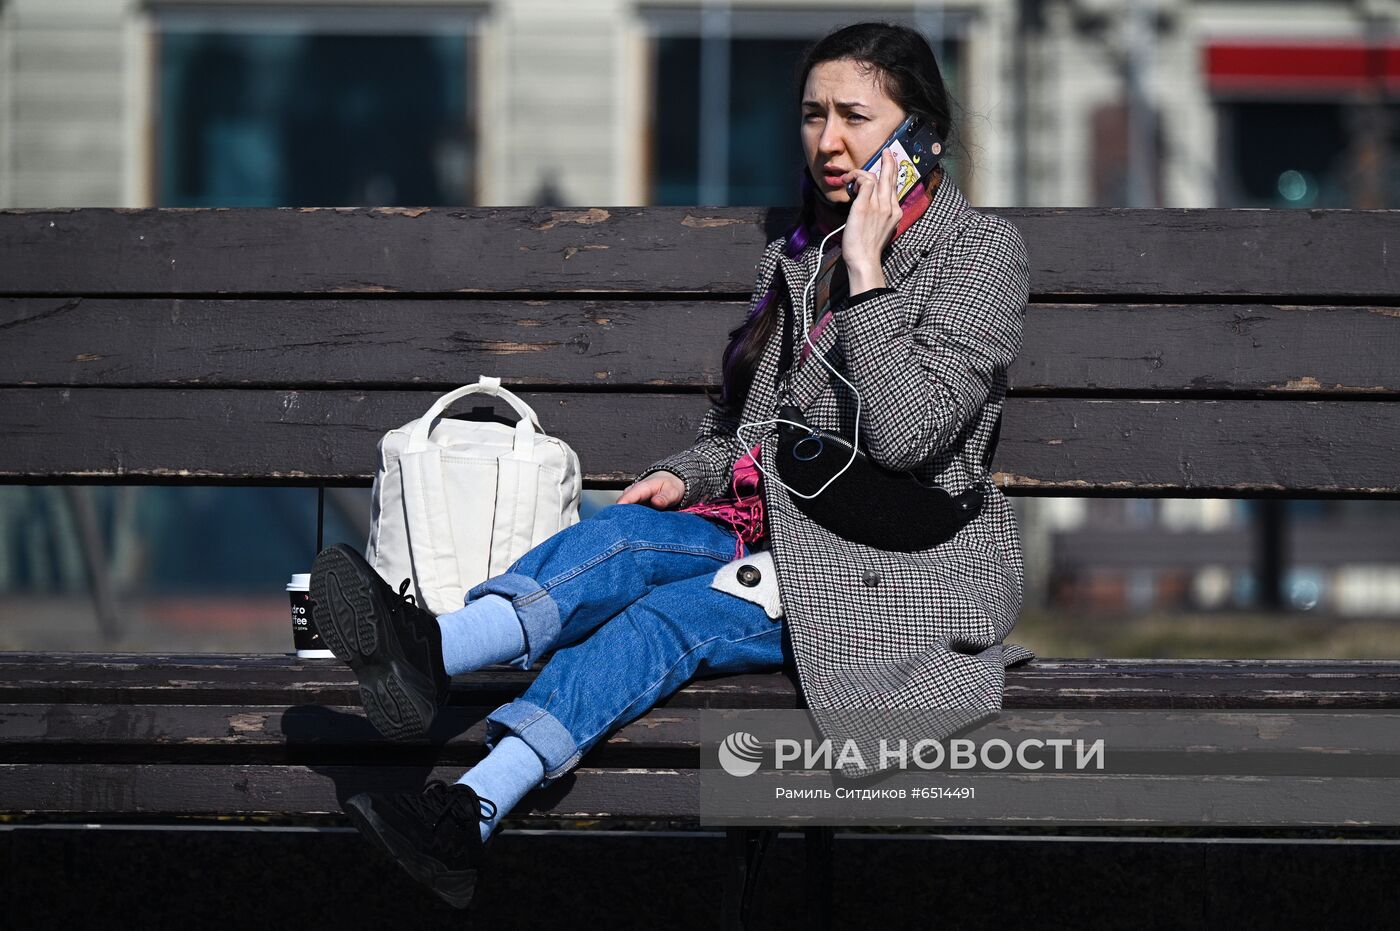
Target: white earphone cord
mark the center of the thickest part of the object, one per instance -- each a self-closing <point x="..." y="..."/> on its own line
<point x="806" y="338"/>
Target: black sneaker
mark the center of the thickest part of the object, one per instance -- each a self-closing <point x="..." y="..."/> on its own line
<point x="435" y="835"/>
<point x="393" y="645"/>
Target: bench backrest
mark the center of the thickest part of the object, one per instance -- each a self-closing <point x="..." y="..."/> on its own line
<point x="1199" y="352"/>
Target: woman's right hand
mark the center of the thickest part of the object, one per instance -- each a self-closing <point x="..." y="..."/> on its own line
<point x="660" y="490"/>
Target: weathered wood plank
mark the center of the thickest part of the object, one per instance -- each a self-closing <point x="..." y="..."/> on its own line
<point x="1077" y="349"/>
<point x="202" y="733"/>
<point x="1077" y="798"/>
<point x="115" y="733"/>
<point x="1206" y="448"/>
<point x="1048" y="445"/>
<point x="283" y="681"/>
<point x="363" y="343"/>
<point x="178" y="789"/>
<point x="1212" y="349"/>
<point x="1208" y="689"/>
<point x="1302" y="253"/>
<point x="299" y="436"/>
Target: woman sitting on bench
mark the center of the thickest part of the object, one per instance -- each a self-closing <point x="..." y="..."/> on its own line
<point x="907" y="306"/>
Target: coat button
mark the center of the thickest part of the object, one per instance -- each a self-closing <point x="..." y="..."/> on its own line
<point x="749" y="576"/>
<point x="870" y="577"/>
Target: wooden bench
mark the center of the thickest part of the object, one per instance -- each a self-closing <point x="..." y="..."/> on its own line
<point x="1167" y="352"/>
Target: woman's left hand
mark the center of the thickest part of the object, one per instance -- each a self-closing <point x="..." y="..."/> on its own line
<point x="871" y="223"/>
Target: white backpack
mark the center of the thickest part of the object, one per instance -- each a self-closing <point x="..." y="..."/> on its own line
<point x="457" y="502"/>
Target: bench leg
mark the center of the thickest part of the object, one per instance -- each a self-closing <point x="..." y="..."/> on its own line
<point x="104" y="601"/>
<point x="745" y="849"/>
<point x="819" y="876"/>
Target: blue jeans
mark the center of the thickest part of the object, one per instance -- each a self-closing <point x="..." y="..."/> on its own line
<point x="625" y="600"/>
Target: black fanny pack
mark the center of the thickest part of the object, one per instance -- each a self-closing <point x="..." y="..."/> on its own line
<point x="868" y="504"/>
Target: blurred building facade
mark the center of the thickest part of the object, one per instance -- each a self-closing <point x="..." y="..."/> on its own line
<point x="137" y="103"/>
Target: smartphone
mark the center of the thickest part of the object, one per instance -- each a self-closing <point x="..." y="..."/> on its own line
<point x="917" y="149"/>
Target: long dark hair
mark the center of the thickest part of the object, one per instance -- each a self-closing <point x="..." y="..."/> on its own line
<point x="909" y="74"/>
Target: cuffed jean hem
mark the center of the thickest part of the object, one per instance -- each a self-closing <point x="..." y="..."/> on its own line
<point x="538" y="613"/>
<point x="538" y="728"/>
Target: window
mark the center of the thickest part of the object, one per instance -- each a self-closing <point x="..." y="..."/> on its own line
<point x="1284" y="155"/>
<point x="765" y="154"/>
<point x="314" y="109"/>
<point x="1307" y="124"/>
<point x="754" y="75"/>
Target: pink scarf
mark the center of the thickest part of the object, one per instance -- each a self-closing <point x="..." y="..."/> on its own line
<point x="743" y="510"/>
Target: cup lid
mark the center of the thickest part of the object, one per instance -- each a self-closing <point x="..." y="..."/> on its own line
<point x="301" y="581"/>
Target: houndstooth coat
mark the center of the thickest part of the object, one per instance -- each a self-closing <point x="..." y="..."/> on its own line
<point x="875" y="630"/>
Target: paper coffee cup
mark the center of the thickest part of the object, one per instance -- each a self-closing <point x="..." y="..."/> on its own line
<point x="304" y="637"/>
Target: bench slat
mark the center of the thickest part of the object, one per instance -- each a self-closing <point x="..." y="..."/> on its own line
<point x="1071" y="798"/>
<point x="145" y="736"/>
<point x="1194" y="252"/>
<point x="1184" y="349"/>
<point x="301" y="734"/>
<point x="248" y="733"/>
<point x="246" y="789"/>
<point x="1048" y="445"/>
<point x="281" y="680"/>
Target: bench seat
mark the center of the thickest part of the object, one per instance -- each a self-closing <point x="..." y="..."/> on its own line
<point x="155" y="736"/>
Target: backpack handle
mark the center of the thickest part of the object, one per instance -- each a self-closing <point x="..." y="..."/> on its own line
<point x="525" y="427"/>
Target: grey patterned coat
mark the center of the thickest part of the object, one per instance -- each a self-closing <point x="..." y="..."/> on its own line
<point x="871" y="629"/>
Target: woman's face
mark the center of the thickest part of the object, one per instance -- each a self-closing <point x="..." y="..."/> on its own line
<point x="846" y="115"/>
